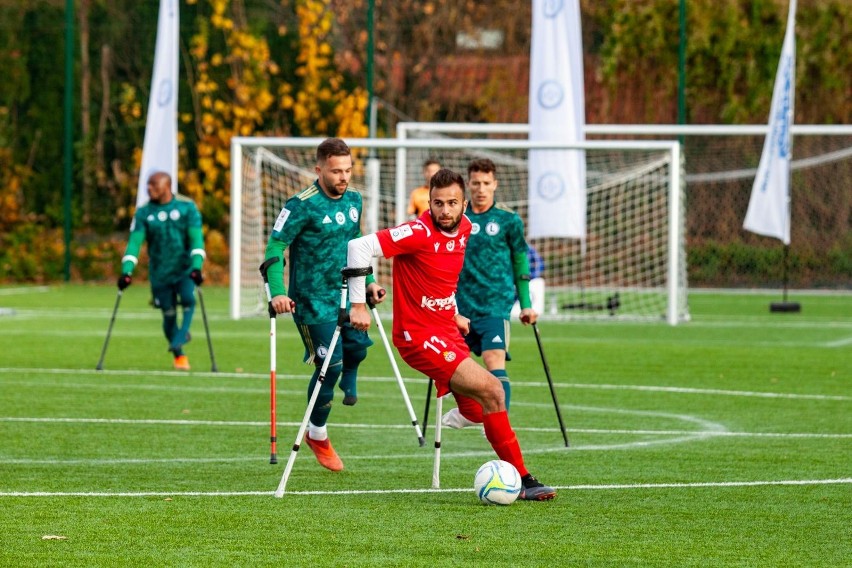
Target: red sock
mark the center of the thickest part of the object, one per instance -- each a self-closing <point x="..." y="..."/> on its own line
<point x="502" y="438"/>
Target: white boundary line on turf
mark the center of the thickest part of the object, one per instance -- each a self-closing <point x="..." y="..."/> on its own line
<point x="411" y="380"/>
<point x="840" y="342"/>
<point x="23" y="290"/>
<point x="344" y="426"/>
<point x="613" y="487"/>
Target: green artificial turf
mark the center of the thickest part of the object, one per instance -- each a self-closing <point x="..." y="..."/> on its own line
<point x="724" y="441"/>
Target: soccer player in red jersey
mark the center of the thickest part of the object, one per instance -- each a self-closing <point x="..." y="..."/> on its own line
<point x="428" y="255"/>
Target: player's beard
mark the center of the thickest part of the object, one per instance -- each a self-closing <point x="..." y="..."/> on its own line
<point x="333" y="186"/>
<point x="447" y="223"/>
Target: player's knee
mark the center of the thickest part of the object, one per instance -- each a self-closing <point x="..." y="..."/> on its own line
<point x="492" y="395"/>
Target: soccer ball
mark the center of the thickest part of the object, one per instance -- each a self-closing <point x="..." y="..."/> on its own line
<point x="497" y="483"/>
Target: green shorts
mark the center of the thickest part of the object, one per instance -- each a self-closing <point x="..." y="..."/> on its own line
<point x="317" y="338"/>
<point x="488" y="333"/>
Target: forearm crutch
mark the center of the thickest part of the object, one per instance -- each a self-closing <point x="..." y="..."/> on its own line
<point x="273" y="439"/>
<point x="213" y="367"/>
<point x="100" y="365"/>
<point x="436" y="468"/>
<point x="342" y="317"/>
<point x="395" y="367"/>
<point x="550" y="383"/>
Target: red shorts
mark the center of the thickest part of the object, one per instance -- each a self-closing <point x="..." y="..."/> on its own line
<point x="436" y="356"/>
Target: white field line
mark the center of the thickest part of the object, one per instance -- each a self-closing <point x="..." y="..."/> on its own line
<point x="840" y="342"/>
<point x="612" y="487"/>
<point x="23" y="290"/>
<point x="420" y="380"/>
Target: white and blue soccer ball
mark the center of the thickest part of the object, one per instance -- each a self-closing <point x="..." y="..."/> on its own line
<point x="497" y="482"/>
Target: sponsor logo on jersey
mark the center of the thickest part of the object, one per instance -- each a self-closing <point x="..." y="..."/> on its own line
<point x="437" y="246"/>
<point x="451" y="246"/>
<point x="492" y="228"/>
<point x="322" y="351"/>
<point x="353" y="214"/>
<point x="282" y="218"/>
<point x="340" y="217"/>
<point x="462" y="242"/>
<point x="438" y="304"/>
<point x="162" y="216"/>
<point x="326" y="220"/>
<point x="474" y="228"/>
<point x="449" y="356"/>
<point x="174" y="214"/>
<point x="401" y="232"/>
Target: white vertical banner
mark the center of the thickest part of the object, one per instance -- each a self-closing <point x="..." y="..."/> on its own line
<point x="557" y="112"/>
<point x="769" y="207"/>
<point x="160" y="149"/>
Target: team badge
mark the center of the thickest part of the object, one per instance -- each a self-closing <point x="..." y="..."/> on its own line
<point x="340" y="217"/>
<point x="322" y="351"/>
<point x="451" y="245"/>
<point x="474" y="228"/>
<point x="162" y="216"/>
<point x="449" y="356"/>
<point x="353" y="214"/>
<point x="492" y="228"/>
<point x="174" y="214"/>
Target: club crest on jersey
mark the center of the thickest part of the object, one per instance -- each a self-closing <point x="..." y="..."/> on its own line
<point x="353" y="214"/>
<point x="451" y="246"/>
<point x="399" y="233"/>
<point x="340" y="217"/>
<point x="449" y="356"/>
<point x="474" y="228"/>
<point x="322" y="351"/>
<point x="162" y="216"/>
<point x="174" y="214"/>
<point x="492" y="228"/>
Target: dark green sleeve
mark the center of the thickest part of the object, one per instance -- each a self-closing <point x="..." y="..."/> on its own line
<point x="521" y="268"/>
<point x="134" y="245"/>
<point x="196" y="242"/>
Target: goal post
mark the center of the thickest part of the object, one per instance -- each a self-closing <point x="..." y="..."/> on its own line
<point x="630" y="266"/>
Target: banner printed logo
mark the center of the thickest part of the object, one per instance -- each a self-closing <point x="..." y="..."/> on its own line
<point x="551" y="186"/>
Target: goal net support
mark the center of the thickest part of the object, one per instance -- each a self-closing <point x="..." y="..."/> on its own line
<point x="630" y="265"/>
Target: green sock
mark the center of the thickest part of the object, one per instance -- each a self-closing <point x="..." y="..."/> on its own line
<point x="507" y="386"/>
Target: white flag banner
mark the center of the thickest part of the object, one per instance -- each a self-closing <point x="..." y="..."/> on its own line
<point x="160" y="148"/>
<point x="769" y="207"/>
<point x="557" y="112"/>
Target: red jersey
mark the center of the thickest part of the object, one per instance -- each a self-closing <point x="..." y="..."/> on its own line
<point x="426" y="268"/>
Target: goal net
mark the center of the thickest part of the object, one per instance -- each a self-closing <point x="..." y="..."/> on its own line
<point x="630" y="265"/>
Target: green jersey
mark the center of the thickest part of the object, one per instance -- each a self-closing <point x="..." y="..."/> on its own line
<point x="174" y="236"/>
<point x="495" y="261"/>
<point x="317" y="230"/>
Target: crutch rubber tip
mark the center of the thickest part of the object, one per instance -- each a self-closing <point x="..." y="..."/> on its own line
<point x="279" y="494"/>
<point x="422" y="441"/>
<point x="273" y="459"/>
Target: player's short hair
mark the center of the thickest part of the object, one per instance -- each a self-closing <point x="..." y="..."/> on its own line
<point x="445" y="178"/>
<point x="431" y="162"/>
<point x="332" y="147"/>
<point x="483" y="165"/>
